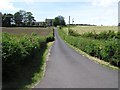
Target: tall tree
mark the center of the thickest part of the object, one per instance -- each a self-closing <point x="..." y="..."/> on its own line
<point x="18" y="18"/>
<point x="59" y="20"/>
<point x="56" y="21"/>
<point x="7" y="19"/>
<point x="24" y="18"/>
<point x="29" y="18"/>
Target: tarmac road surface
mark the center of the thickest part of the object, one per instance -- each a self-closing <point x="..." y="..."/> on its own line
<point x="68" y="69"/>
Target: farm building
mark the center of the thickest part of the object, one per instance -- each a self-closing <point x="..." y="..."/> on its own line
<point x="40" y="23"/>
<point x="49" y="22"/>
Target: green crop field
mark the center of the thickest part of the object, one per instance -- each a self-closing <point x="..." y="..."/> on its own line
<point x="97" y="29"/>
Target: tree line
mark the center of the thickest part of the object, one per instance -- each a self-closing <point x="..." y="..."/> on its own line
<point x="23" y="18"/>
<point x="20" y="18"/>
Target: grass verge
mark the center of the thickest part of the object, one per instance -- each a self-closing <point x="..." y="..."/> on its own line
<point x="32" y="73"/>
<point x="42" y="73"/>
<point x="39" y="75"/>
<point x="96" y="60"/>
<point x="94" y="49"/>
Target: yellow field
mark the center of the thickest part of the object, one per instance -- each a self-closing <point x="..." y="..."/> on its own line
<point x="97" y="29"/>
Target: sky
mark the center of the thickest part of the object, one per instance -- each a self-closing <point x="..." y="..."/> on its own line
<point x="98" y="12"/>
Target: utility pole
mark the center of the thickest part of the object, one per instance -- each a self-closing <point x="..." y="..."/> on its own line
<point x="69" y="25"/>
<point x="72" y="20"/>
<point x="69" y="22"/>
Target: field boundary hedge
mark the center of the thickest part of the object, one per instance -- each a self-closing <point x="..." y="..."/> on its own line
<point x="22" y="56"/>
<point x="106" y="50"/>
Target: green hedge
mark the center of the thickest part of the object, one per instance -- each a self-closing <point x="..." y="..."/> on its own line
<point x="19" y="51"/>
<point x="107" y="50"/>
<point x="103" y="35"/>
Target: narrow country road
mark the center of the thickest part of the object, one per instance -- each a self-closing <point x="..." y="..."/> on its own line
<point x="68" y="69"/>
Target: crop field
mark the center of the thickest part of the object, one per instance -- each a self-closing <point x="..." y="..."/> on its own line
<point x="96" y="29"/>
<point x="27" y="30"/>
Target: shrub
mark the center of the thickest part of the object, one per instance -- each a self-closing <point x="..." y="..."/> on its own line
<point x="17" y="52"/>
<point x="73" y="33"/>
<point x="104" y="45"/>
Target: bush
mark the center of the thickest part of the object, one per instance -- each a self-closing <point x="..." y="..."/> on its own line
<point x="103" y="35"/>
<point x="17" y="52"/>
<point x="104" y="45"/>
<point x="73" y="33"/>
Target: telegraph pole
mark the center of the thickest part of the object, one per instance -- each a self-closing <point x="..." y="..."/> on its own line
<point x="72" y="20"/>
<point x="69" y="22"/>
<point x="69" y="25"/>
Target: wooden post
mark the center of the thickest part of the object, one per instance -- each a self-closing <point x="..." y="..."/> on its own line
<point x="69" y="25"/>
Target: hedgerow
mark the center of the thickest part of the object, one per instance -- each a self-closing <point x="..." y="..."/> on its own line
<point x="19" y="51"/>
<point x="104" y="45"/>
<point x="103" y="35"/>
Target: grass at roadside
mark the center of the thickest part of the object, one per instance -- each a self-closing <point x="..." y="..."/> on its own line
<point x="106" y="49"/>
<point x="96" y="60"/>
<point x="39" y="75"/>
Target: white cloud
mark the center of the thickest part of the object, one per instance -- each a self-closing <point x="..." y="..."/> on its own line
<point x="103" y="3"/>
<point x="96" y="13"/>
<point x="7" y="5"/>
<point x="95" y="2"/>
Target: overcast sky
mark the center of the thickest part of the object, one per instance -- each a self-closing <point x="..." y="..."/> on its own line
<point x="97" y="12"/>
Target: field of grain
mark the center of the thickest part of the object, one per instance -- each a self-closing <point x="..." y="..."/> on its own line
<point x="27" y="30"/>
<point x="97" y="29"/>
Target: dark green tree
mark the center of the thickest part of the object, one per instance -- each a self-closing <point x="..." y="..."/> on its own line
<point x="29" y="18"/>
<point x="59" y="20"/>
<point x="24" y="18"/>
<point x="18" y="17"/>
<point x="7" y="19"/>
<point x="56" y="21"/>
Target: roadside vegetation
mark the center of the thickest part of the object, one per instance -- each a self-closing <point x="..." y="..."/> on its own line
<point x="100" y="44"/>
<point x="23" y="57"/>
<point x="24" y="44"/>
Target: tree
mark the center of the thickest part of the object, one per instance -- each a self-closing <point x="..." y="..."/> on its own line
<point x="7" y="19"/>
<point x="59" y="20"/>
<point x="29" y="18"/>
<point x="56" y="21"/>
<point x="18" y="18"/>
<point x="62" y="21"/>
<point x="24" y="18"/>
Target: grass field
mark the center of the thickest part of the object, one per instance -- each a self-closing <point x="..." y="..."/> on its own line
<point x="97" y="29"/>
<point x="27" y="30"/>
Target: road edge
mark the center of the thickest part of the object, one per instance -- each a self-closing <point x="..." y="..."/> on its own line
<point x="94" y="59"/>
<point x="46" y="57"/>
